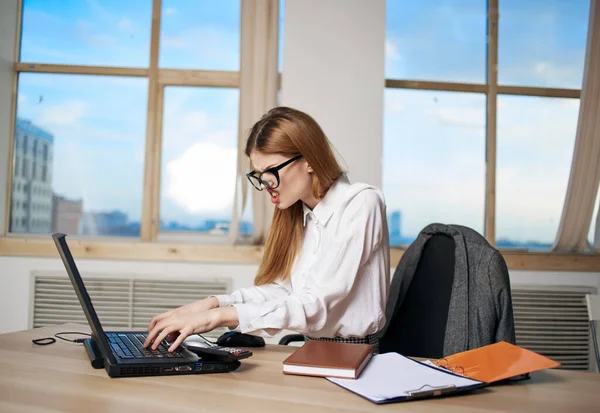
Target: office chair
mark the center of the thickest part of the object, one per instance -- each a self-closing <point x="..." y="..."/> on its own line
<point x="418" y="325"/>
<point x="593" y="306"/>
<point x="450" y="293"/>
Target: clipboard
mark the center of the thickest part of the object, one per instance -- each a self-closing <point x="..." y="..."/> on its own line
<point x="391" y="378"/>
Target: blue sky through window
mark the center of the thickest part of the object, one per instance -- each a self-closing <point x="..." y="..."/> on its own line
<point x="434" y="142"/>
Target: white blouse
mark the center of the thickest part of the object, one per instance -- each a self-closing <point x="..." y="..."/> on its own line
<point x="340" y="280"/>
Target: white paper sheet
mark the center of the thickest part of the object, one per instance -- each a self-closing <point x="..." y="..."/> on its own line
<point x="391" y="375"/>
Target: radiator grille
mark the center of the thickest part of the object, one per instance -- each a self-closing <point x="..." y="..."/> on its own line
<point x="126" y="302"/>
<point x="553" y="321"/>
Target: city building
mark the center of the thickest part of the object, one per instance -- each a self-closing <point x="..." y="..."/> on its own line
<point x="31" y="195"/>
<point x="66" y="215"/>
<point x="395" y="224"/>
<point x="105" y="223"/>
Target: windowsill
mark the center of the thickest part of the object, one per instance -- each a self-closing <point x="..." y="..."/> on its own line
<point x="176" y="251"/>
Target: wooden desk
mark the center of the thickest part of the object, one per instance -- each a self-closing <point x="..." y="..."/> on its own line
<point x="59" y="378"/>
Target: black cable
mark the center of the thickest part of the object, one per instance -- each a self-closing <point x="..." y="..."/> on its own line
<point x="49" y="340"/>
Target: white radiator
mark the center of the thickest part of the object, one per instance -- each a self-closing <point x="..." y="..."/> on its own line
<point x="553" y="321"/>
<point x="126" y="302"/>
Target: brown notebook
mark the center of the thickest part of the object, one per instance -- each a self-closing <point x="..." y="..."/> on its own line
<point x="329" y="359"/>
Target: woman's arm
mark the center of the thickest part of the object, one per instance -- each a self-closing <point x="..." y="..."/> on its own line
<point x="254" y="294"/>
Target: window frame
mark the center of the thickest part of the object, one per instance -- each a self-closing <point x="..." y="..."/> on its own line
<point x="150" y="247"/>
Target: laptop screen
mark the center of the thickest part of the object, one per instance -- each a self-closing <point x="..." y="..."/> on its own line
<point x="82" y="295"/>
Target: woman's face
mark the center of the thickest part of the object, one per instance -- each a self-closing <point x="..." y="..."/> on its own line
<point x="295" y="179"/>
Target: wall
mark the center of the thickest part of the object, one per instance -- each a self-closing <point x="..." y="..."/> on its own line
<point x="15" y="279"/>
<point x="333" y="68"/>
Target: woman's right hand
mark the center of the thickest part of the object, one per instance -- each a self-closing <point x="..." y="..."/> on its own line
<point x="197" y="307"/>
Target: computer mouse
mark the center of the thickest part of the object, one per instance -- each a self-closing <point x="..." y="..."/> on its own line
<point x="235" y="339"/>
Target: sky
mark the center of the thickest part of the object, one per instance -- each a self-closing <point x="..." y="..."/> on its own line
<point x="434" y="142"/>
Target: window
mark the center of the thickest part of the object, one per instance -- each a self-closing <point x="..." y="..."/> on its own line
<point x="89" y="122"/>
<point x="542" y="43"/>
<point x="536" y="136"/>
<point x="199" y="159"/>
<point x="74" y="32"/>
<point x="25" y="172"/>
<point x="436" y="40"/>
<point x="595" y="224"/>
<point x="200" y="34"/>
<point x="436" y="138"/>
<point x="432" y="142"/>
<point x="83" y="132"/>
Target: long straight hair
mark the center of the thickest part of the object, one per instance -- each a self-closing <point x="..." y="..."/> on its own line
<point x="291" y="132"/>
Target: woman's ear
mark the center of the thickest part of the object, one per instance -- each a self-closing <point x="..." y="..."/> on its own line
<point x="309" y="169"/>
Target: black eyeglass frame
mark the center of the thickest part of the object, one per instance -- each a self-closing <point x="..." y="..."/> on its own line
<point x="274" y="170"/>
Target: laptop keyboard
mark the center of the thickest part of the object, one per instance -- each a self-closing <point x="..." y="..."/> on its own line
<point x="131" y="345"/>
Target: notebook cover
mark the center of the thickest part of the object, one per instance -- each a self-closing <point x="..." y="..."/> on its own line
<point x="497" y="362"/>
<point x="314" y="356"/>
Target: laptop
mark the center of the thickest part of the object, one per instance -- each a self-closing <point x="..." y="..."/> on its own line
<point x="121" y="353"/>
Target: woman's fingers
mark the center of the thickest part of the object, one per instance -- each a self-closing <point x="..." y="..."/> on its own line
<point x="163" y="334"/>
<point x="152" y="334"/>
<point x="179" y="340"/>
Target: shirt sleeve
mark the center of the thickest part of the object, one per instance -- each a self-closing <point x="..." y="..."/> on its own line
<point x="328" y="282"/>
<point x="254" y="294"/>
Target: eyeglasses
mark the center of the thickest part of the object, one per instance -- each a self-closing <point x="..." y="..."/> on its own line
<point x="269" y="178"/>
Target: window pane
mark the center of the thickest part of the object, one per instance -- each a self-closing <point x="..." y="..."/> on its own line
<point x="200" y="34"/>
<point x="433" y="160"/>
<point x="594" y="223"/>
<point x="536" y="136"/>
<point x="105" y="33"/>
<point x="542" y="42"/>
<point x="199" y="159"/>
<point x="79" y="154"/>
<point x="441" y="40"/>
<point x="281" y="32"/>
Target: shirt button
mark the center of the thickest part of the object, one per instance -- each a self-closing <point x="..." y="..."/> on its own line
<point x="249" y="326"/>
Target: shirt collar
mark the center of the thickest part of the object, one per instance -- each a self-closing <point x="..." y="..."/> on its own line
<point x="328" y="205"/>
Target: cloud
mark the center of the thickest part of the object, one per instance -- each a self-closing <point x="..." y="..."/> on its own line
<point x="175" y="42"/>
<point x="84" y="30"/>
<point x="202" y="180"/>
<point x="169" y="11"/>
<point x="63" y="114"/>
<point x="205" y="47"/>
<point x="395" y="106"/>
<point x="391" y="50"/>
<point x="125" y="24"/>
<point x="471" y="118"/>
<point x="553" y="74"/>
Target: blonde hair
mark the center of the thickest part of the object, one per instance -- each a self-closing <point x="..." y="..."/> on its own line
<point x="291" y="132"/>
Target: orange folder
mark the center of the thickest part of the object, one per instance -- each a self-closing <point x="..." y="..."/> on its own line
<point x="496" y="362"/>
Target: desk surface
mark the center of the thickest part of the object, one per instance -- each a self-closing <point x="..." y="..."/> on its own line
<point x="59" y="378"/>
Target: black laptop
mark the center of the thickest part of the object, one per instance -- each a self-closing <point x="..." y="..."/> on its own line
<point x="122" y="353"/>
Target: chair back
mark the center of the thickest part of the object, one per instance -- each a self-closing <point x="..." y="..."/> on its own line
<point x="418" y="325"/>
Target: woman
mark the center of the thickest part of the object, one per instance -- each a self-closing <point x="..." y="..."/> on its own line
<point x="325" y="270"/>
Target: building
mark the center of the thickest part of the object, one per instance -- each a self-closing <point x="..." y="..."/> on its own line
<point x="395" y="224"/>
<point x="105" y="223"/>
<point x="66" y="215"/>
<point x="31" y="195"/>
